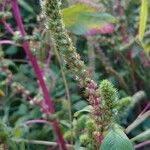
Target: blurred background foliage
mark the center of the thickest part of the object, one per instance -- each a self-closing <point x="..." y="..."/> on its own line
<point x="96" y="32"/>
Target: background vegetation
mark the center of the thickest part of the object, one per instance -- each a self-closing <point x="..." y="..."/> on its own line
<point x="107" y="36"/>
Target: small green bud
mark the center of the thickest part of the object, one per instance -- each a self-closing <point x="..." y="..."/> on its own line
<point x="90" y="126"/>
<point x="109" y="94"/>
<point x="84" y="139"/>
<point x="81" y="123"/>
<point x="67" y="135"/>
<point x="124" y="103"/>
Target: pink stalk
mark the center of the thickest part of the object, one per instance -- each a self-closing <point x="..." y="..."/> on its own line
<point x="3" y="4"/>
<point x="7" y="26"/>
<point x="145" y="109"/>
<point x="7" y="42"/>
<point x="145" y="143"/>
<point x="38" y="72"/>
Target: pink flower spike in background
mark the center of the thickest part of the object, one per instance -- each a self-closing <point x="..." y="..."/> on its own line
<point x="106" y="29"/>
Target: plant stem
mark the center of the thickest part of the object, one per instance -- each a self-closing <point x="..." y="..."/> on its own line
<point x="142" y="144"/>
<point x="37" y="121"/>
<point x="39" y="75"/>
<point x="7" y="42"/>
<point x="3" y="5"/>
<point x="48" y="60"/>
<point x="67" y="93"/>
<point x="8" y="28"/>
<point x="145" y="109"/>
<point x="39" y="142"/>
<point x="138" y="121"/>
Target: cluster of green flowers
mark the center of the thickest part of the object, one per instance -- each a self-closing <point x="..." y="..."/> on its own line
<point x="51" y="10"/>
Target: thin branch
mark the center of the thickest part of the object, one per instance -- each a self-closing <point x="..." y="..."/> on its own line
<point x="48" y="60"/>
<point x="145" y="109"/>
<point x="7" y="42"/>
<point x="8" y="27"/>
<point x="3" y="5"/>
<point x="67" y="93"/>
<point x="46" y="143"/>
<point x="137" y="122"/>
<point x="142" y="144"/>
<point x="39" y="121"/>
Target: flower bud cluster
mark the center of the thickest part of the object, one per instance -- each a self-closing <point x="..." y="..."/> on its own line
<point x="109" y="103"/>
<point x="72" y="60"/>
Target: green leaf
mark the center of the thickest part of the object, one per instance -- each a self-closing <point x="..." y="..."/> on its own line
<point x="147" y="47"/>
<point x="116" y="140"/>
<point x="142" y="137"/>
<point x="143" y="19"/>
<point x="17" y="132"/>
<point x="26" y="6"/>
<point x="80" y="18"/>
<point x="85" y="109"/>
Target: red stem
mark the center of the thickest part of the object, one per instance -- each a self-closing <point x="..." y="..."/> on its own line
<point x="38" y="72"/>
<point x="7" y="26"/>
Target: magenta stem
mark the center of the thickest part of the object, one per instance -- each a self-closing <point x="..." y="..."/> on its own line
<point x="38" y="72"/>
<point x="142" y="144"/>
<point x="3" y="5"/>
<point x="8" y="28"/>
<point x="32" y="59"/>
<point x="7" y="42"/>
<point x="145" y="109"/>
